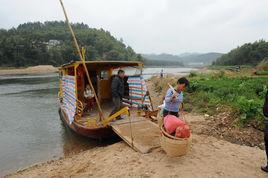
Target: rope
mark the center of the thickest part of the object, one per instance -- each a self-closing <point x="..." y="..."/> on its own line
<point x="131" y="134"/>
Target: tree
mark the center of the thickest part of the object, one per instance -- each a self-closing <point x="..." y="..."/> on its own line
<point x="50" y="42"/>
<point x="247" y="54"/>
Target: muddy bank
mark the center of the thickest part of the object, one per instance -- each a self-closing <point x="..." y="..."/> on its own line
<point x="40" y="69"/>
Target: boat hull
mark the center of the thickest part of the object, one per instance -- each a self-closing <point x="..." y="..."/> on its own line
<point x="95" y="133"/>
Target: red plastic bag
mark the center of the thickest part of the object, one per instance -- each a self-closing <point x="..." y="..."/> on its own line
<point x="171" y="123"/>
<point x="183" y="131"/>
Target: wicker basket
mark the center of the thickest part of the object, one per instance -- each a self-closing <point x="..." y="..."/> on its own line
<point x="160" y="121"/>
<point x="174" y="146"/>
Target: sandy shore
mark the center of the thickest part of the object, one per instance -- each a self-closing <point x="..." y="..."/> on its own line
<point x="40" y="69"/>
<point x="208" y="157"/>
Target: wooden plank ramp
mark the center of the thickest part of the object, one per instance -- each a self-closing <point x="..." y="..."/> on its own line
<point x="141" y="134"/>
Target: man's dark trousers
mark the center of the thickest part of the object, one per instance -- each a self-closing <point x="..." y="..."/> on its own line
<point x="117" y="101"/>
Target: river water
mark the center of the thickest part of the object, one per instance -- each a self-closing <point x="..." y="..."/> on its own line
<point x="30" y="128"/>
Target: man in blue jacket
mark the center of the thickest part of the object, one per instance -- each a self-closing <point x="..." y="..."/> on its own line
<point x="174" y="99"/>
<point x="117" y="91"/>
<point x="265" y="113"/>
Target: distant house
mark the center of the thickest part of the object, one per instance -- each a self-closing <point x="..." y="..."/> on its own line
<point x="54" y="42"/>
<point x="50" y="44"/>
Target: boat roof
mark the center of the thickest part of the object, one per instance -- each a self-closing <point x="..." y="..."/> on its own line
<point x="112" y="64"/>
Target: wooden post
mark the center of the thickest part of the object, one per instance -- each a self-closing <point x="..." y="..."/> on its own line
<point x="82" y="59"/>
<point x="142" y="97"/>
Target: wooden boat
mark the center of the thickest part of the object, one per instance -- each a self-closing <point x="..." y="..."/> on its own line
<point x="72" y="102"/>
<point x="89" y="116"/>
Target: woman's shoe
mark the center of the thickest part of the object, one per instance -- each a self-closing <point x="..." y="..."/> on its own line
<point x="265" y="168"/>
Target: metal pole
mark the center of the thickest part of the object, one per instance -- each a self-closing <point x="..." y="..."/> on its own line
<point x="82" y="59"/>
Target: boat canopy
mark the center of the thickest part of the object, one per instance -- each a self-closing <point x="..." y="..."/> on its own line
<point x="106" y="64"/>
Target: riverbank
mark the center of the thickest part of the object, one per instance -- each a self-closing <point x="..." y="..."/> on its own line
<point x="209" y="157"/>
<point x="40" y="69"/>
<point x="231" y="101"/>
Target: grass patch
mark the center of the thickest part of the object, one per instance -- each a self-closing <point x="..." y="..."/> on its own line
<point x="216" y="92"/>
<point x="262" y="72"/>
<point x="245" y="95"/>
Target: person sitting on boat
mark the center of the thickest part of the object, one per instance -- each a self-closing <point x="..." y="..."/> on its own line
<point x="89" y="98"/>
<point x="117" y="91"/>
<point x="174" y="97"/>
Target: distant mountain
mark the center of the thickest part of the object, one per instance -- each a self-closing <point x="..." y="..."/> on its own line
<point x="163" y="56"/>
<point x="188" y="59"/>
<point x="188" y="54"/>
<point x="206" y="58"/>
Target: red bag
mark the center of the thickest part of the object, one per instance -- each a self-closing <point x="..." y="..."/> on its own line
<point x="171" y="123"/>
<point x="183" y="131"/>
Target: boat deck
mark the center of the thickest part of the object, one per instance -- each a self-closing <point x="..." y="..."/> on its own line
<point x="91" y="118"/>
<point x="137" y="131"/>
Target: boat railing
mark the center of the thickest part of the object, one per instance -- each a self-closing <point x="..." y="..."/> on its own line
<point x="79" y="109"/>
<point x="124" y="110"/>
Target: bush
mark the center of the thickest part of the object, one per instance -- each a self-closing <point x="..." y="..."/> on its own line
<point x="263" y="65"/>
<point x="192" y="74"/>
<point x="249" y="109"/>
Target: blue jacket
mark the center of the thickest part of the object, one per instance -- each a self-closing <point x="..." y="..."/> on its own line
<point x="170" y="105"/>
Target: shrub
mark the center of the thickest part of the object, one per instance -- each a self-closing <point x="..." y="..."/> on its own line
<point x="249" y="109"/>
<point x="192" y="74"/>
<point x="263" y="65"/>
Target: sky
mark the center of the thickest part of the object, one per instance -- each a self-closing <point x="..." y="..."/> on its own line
<point x="155" y="26"/>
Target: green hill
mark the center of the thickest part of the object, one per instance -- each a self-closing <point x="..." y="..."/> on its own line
<point x="51" y="43"/>
<point x="247" y="54"/>
<point x="186" y="58"/>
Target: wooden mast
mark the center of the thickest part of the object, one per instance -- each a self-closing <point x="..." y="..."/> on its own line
<point x="82" y="59"/>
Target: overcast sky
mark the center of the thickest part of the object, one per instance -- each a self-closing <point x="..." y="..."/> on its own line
<point x="155" y="26"/>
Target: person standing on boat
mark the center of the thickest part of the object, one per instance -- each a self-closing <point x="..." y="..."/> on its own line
<point x="265" y="113"/>
<point x="174" y="99"/>
<point x="89" y="98"/>
<point x="118" y="91"/>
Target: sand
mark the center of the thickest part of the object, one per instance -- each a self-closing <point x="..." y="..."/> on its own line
<point x="208" y="157"/>
<point x="40" y="69"/>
